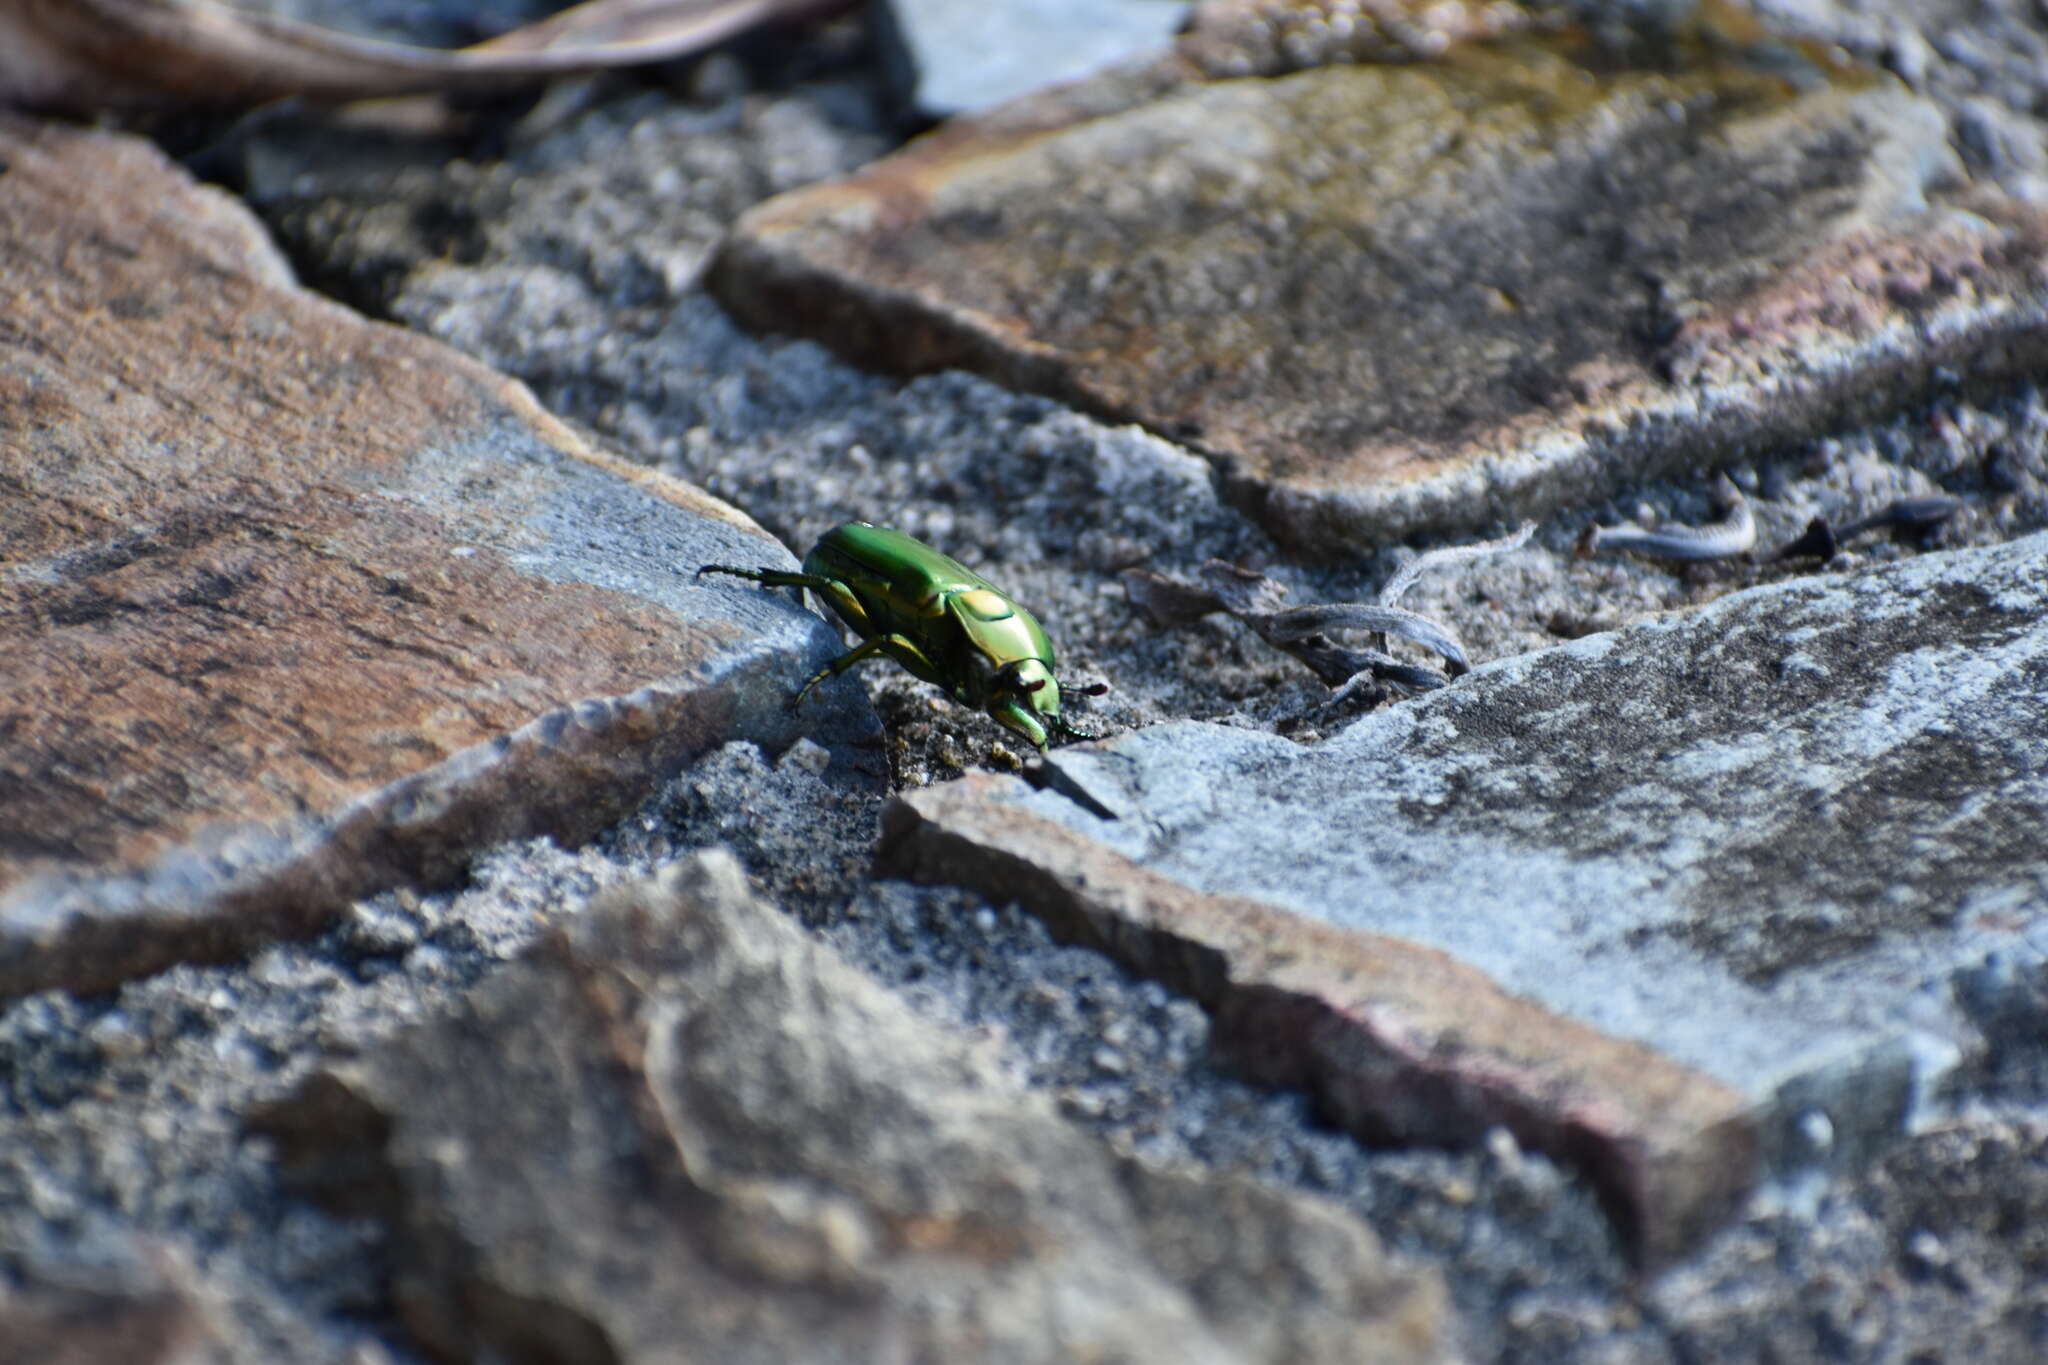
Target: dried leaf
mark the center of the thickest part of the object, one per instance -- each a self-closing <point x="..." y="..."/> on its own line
<point x="1168" y="601"/>
<point x="1304" y="631"/>
<point x="1243" y="592"/>
<point x="1296" y="624"/>
<point x="83" y="56"/>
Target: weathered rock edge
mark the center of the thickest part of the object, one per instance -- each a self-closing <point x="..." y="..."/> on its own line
<point x="235" y="887"/>
<point x="292" y="601"/>
<point x="1367" y="390"/>
<point x="1398" y="1041"/>
<point x="679" y="1129"/>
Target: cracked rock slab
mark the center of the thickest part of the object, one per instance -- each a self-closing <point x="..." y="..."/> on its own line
<point x="680" y="1130"/>
<point x="297" y="606"/>
<point x="1399" y="1041"/>
<point x="1429" y="295"/>
<point x="1774" y="840"/>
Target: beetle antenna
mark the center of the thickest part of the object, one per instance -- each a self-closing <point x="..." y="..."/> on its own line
<point x="1068" y="690"/>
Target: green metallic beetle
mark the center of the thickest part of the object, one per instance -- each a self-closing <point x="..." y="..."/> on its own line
<point x="938" y="618"/>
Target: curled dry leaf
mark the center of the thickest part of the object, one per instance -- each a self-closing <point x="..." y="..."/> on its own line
<point x="82" y="56"/>
<point x="1304" y="631"/>
<point x="1256" y="600"/>
<point x="1735" y="534"/>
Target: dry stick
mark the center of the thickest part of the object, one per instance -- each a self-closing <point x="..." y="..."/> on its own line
<point x="1822" y="541"/>
<point x="1405" y="576"/>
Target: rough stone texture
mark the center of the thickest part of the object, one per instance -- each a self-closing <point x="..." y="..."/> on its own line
<point x="135" y="1313"/>
<point x="1398" y="1041"/>
<point x="1934" y="1254"/>
<point x="560" y="246"/>
<point x="298" y="607"/>
<point x="679" y="1131"/>
<point x="1982" y="59"/>
<point x="1227" y="38"/>
<point x="948" y="57"/>
<point x="568" y="260"/>
<point x="1766" y="838"/>
<point x="1396" y="298"/>
<point x="549" y="263"/>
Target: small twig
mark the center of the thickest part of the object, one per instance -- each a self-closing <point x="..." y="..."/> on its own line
<point x="1913" y="515"/>
<point x="1906" y="514"/>
<point x="1734" y="535"/>
<point x="1404" y="577"/>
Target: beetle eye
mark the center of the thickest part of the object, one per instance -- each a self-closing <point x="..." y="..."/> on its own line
<point x="1031" y="686"/>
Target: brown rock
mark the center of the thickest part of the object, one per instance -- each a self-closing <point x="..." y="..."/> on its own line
<point x="297" y="606"/>
<point x="1425" y="295"/>
<point x="680" y="1130"/>
<point x="140" y="1313"/>
<point x="1397" y="1040"/>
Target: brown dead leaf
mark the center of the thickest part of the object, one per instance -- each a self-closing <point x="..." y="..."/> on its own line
<point x="83" y="56"/>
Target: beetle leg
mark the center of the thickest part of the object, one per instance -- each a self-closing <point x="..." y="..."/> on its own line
<point x="903" y="650"/>
<point x="842" y="600"/>
<point x="1073" y="731"/>
<point x="773" y="578"/>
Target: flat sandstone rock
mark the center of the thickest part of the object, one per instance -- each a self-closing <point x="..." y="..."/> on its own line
<point x="1427" y="295"/>
<point x="1659" y="900"/>
<point x="295" y="606"/>
<point x="728" y="1145"/>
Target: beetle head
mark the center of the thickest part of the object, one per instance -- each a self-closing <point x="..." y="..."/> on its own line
<point x="1025" y="698"/>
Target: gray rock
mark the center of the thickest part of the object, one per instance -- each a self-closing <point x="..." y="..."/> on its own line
<point x="1764" y="838"/>
<point x="1397" y="1041"/>
<point x="678" y="1130"/>
<point x="1934" y="1253"/>
<point x="951" y="56"/>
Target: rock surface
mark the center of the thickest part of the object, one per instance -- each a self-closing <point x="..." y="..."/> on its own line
<point x="949" y="57"/>
<point x="300" y="607"/>
<point x="135" y="1313"/>
<point x="679" y="1131"/>
<point x="1607" y="829"/>
<point x="1399" y="1042"/>
<point x="561" y="243"/>
<point x="1390" y="298"/>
